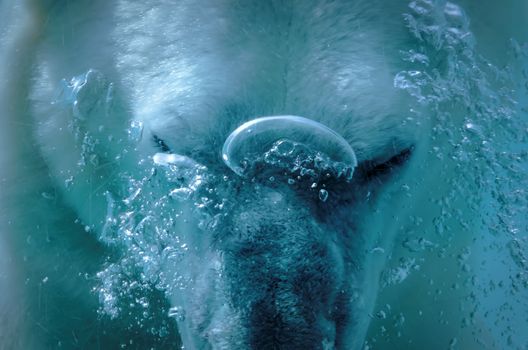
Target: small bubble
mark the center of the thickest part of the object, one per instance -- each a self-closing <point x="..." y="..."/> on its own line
<point x="474" y="128"/>
<point x="285" y="147"/>
<point x="181" y="194"/>
<point x="417" y="244"/>
<point x="68" y="182"/>
<point x="94" y="160"/>
<point x="48" y="195"/>
<point x="381" y="315"/>
<point x="132" y="196"/>
<point x="323" y="195"/>
<point x="135" y="132"/>
<point x="177" y="312"/>
<point x="378" y="250"/>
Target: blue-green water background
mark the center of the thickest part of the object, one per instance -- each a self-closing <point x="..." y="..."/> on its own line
<point x="459" y="268"/>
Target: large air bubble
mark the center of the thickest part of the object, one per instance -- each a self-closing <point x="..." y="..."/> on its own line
<point x="285" y="135"/>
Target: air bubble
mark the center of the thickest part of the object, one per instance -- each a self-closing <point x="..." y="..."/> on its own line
<point x="181" y="194"/>
<point x="252" y="139"/>
<point x="135" y="131"/>
<point x="323" y="195"/>
<point x="177" y="312"/>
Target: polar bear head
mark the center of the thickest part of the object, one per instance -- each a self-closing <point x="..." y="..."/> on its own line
<point x="255" y="163"/>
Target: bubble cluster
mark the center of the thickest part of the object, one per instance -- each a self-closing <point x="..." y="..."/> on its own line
<point x="144" y="227"/>
<point x="308" y="170"/>
<point x="478" y="135"/>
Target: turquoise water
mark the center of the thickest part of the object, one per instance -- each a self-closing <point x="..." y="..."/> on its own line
<point x="452" y="274"/>
<point x="478" y="234"/>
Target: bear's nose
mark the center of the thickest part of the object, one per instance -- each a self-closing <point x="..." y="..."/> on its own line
<point x="289" y="330"/>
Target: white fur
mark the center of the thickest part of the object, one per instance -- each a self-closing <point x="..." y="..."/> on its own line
<point x="190" y="73"/>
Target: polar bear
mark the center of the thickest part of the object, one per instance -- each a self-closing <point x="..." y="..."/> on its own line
<point x="261" y="174"/>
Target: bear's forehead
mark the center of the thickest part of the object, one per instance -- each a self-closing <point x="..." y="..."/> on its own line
<point x="196" y="72"/>
<point x="278" y="53"/>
